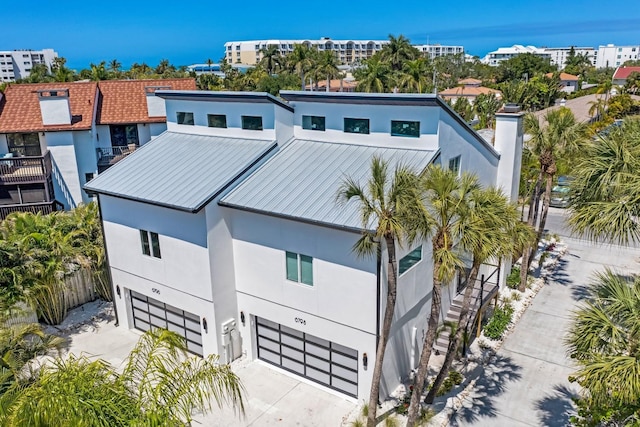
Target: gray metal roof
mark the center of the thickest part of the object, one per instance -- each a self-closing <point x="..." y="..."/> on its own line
<point x="301" y="181"/>
<point x="180" y="171"/>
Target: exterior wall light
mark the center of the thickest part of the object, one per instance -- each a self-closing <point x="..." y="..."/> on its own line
<point x="204" y="324"/>
<point x="242" y="319"/>
<point x="365" y="361"/>
<point x="118" y="291"/>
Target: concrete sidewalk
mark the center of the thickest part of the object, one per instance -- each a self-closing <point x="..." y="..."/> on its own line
<point x="527" y="383"/>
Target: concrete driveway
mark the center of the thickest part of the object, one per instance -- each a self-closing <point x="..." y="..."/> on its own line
<point x="527" y="385"/>
<point x="271" y="397"/>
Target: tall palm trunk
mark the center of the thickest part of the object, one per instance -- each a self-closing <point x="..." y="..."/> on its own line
<point x="328" y="83"/>
<point x="427" y="346"/>
<point x="386" y="328"/>
<point x="532" y="218"/>
<point x="545" y="203"/>
<point x="302" y="79"/>
<point x="452" y="350"/>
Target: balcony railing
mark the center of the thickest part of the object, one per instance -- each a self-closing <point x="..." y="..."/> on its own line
<point x="44" y="207"/>
<point x="25" y="170"/>
<point x="109" y="156"/>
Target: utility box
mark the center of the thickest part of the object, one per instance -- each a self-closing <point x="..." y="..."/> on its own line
<point x="230" y="340"/>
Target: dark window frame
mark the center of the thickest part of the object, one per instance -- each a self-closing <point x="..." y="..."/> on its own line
<point x="247" y="125"/>
<point x="407" y="262"/>
<point x="357" y="125"/>
<point x="314" y="123"/>
<point x="297" y="275"/>
<point x="405" y="128"/>
<point x="221" y="125"/>
<point x="150" y="243"/>
<point x="181" y="118"/>
<point x="24" y="144"/>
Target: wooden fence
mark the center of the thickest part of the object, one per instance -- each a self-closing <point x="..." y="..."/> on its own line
<point x="79" y="289"/>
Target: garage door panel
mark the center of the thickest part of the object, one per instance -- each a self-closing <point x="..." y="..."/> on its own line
<point x="312" y="357"/>
<point x="150" y="313"/>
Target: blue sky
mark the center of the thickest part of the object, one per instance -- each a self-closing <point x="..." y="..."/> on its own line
<point x="190" y="32"/>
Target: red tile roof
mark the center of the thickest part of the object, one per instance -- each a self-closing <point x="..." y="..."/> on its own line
<point x="564" y="77"/>
<point x="469" y="81"/>
<point x="470" y="91"/>
<point x="334" y="85"/>
<point x="125" y="101"/>
<point x="20" y="107"/>
<point x="623" y="72"/>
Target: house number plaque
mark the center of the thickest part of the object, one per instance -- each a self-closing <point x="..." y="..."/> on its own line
<point x="300" y="320"/>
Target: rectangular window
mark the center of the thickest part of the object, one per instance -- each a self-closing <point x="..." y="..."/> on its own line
<point x="409" y="260"/>
<point x="313" y="122"/>
<point x="404" y="128"/>
<point x="24" y="144"/>
<point x="185" y="118"/>
<point x="123" y="135"/>
<point x="217" y="120"/>
<point x="150" y="243"/>
<point x="299" y="268"/>
<point x="356" y="125"/>
<point x="454" y="164"/>
<point x="252" y="122"/>
<point x="88" y="177"/>
<point x="144" y="238"/>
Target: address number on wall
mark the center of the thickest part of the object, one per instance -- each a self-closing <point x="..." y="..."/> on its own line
<point x="300" y="320"/>
<point x="155" y="291"/>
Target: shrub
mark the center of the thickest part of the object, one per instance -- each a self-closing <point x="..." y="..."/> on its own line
<point x="456" y="377"/>
<point x="516" y="296"/>
<point x="498" y="323"/>
<point x="513" y="279"/>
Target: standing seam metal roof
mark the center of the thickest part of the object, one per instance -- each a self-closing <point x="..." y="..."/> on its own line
<point x="303" y="179"/>
<point x="180" y="171"/>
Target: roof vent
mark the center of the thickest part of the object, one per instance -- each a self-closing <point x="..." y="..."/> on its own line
<point x="511" y="108"/>
<point x="54" y="106"/>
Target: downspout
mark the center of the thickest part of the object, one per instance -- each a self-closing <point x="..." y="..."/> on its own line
<point x="106" y="256"/>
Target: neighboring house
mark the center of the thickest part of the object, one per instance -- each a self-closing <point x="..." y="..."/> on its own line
<point x="568" y="82"/>
<point x="622" y="73"/>
<point x="69" y="132"/>
<point x="17" y="64"/>
<point x="468" y="88"/>
<point x="226" y="227"/>
<point x="505" y="53"/>
<point x="435" y="50"/>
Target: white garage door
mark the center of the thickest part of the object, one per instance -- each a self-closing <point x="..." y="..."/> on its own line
<point x="322" y="361"/>
<point x="150" y="313"/>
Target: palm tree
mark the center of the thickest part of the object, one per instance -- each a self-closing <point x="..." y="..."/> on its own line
<point x="597" y="109"/>
<point x="486" y="108"/>
<point x="114" y="67"/>
<point x="605" y="88"/>
<point x="373" y="76"/>
<point x="398" y="51"/>
<point x="604" y="340"/>
<point x="159" y="385"/>
<point x="414" y="76"/>
<point x="385" y="201"/>
<point x="270" y="58"/>
<point x="562" y="134"/>
<point x="605" y="195"/>
<point x="443" y="217"/>
<point x="492" y="231"/>
<point x="327" y="67"/>
<point x="302" y="60"/>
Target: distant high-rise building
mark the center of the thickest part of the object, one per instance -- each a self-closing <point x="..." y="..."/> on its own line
<point x="17" y="64"/>
<point x="346" y="51"/>
<point x="614" y="56"/>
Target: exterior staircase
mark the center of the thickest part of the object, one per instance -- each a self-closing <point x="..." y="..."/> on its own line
<point x="488" y="288"/>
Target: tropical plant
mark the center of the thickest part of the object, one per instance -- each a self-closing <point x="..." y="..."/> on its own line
<point x="385" y="202"/>
<point x="605" y="194"/>
<point x="443" y="218"/>
<point x="271" y="58"/>
<point x="486" y="107"/>
<point x="159" y="385"/>
<point x="373" y="76"/>
<point x="414" y="76"/>
<point x="114" y="67"/>
<point x="301" y="61"/>
<point x="398" y="51"/>
<point x="492" y="230"/>
<point x="603" y="340"/>
<point x="327" y="67"/>
<point x="561" y="135"/>
<point x="463" y="107"/>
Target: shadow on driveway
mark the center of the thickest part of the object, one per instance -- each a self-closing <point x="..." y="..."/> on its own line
<point x="557" y="408"/>
<point x="490" y="386"/>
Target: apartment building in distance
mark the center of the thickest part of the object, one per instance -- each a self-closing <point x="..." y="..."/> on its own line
<point x="347" y="51"/>
<point x="496" y="57"/>
<point x="17" y="64"/>
<point x="559" y="55"/>
<point x="614" y="56"/>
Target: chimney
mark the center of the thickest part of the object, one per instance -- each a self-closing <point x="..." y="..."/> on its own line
<point x="54" y="106"/>
<point x="155" y="105"/>
<point x="508" y="142"/>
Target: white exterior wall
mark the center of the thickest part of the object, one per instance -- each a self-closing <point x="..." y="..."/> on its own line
<point x="103" y="139"/>
<point x="4" y="146"/>
<point x="180" y="278"/>
<point x="86" y="159"/>
<point x="144" y="133"/>
<point x="341" y="304"/>
<point x="156" y="129"/>
<point x="17" y="64"/>
<point x="457" y="141"/>
<point x="234" y="112"/>
<point x="380" y="117"/>
<point x="66" y="181"/>
<point x="613" y="56"/>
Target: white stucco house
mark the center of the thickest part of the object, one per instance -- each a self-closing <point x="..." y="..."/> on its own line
<point x="226" y="229"/>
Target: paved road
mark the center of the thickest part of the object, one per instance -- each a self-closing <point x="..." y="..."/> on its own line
<point x="527" y="384"/>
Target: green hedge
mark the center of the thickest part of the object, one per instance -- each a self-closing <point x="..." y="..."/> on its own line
<point x="498" y="323"/>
